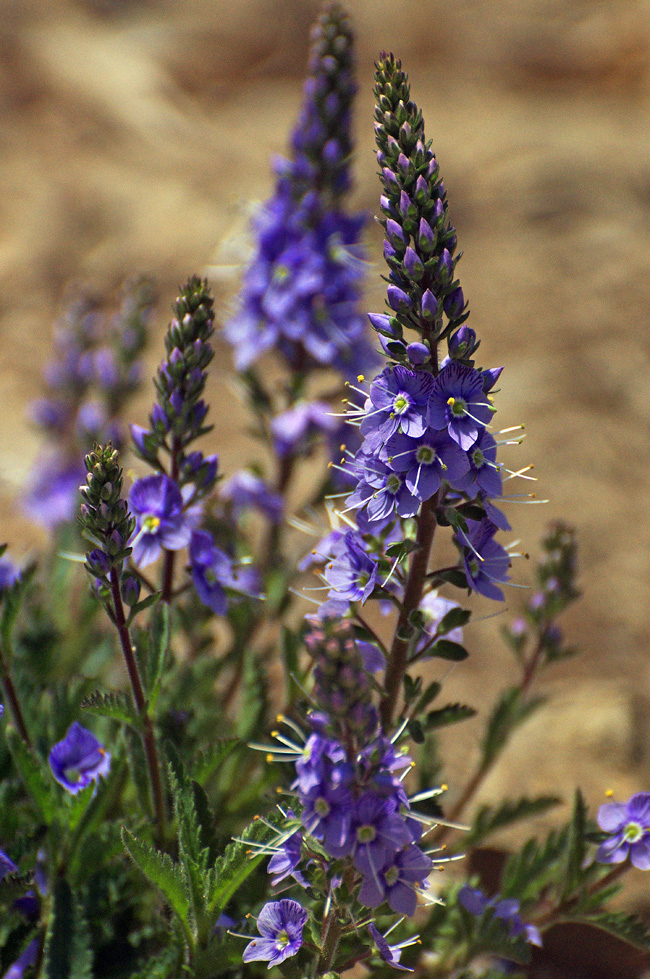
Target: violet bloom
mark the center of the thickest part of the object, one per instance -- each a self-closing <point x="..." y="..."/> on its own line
<point x="475" y="901"/>
<point x="382" y="491"/>
<point x="285" y="861"/>
<point x="378" y="831"/>
<point x="296" y="429"/>
<point x="397" y="403"/>
<point x="390" y="953"/>
<point x="213" y="571"/>
<point x="629" y="826"/>
<point x="485" y="560"/>
<point x="459" y="404"/>
<point x="9" y="574"/>
<point x="434" y="608"/>
<point x="351" y="574"/>
<point x="280" y="923"/>
<point x="7" y="866"/>
<point x="248" y="492"/>
<point x="79" y="759"/>
<point x="26" y="959"/>
<point x="157" y="504"/>
<point x="484" y="474"/>
<point x="426" y="461"/>
<point x="52" y="496"/>
<point x="396" y="881"/>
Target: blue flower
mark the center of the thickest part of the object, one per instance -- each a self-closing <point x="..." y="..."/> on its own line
<point x="245" y="491"/>
<point x="9" y="574"/>
<point x="213" y="571"/>
<point x="79" y="759"/>
<point x="629" y="827"/>
<point x="351" y="573"/>
<point x="458" y="403"/>
<point x="397" y="403"/>
<point x="390" y="953"/>
<point x="395" y="881"/>
<point x="280" y="923"/>
<point x="485" y="561"/>
<point x="426" y="461"/>
<point x="484" y="474"/>
<point x="294" y="431"/>
<point x="7" y="866"/>
<point x="475" y="901"/>
<point x="157" y="504"/>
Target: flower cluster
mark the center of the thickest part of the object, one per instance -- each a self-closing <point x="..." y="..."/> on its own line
<point x="167" y="506"/>
<point x="95" y="370"/>
<point x="505" y="910"/>
<point x="300" y="294"/>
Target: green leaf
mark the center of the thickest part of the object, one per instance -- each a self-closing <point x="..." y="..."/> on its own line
<point x="144" y="604"/>
<point x="490" y="819"/>
<point x="208" y="761"/>
<point x="446" y="649"/>
<point x="158" y="649"/>
<point x="429" y="694"/>
<point x="158" y="868"/>
<point x="36" y="777"/>
<point x="530" y="871"/>
<point x="509" y="712"/>
<point x="455" y="618"/>
<point x="624" y="926"/>
<point x="401" y="549"/>
<point x="163" y="967"/>
<point x="67" y="953"/>
<point x="116" y="705"/>
<point x="290" y="644"/>
<point x="238" y="863"/>
<point x="451" y="714"/>
<point x="576" y="847"/>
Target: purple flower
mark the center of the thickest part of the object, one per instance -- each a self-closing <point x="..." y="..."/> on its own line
<point x="79" y="759"/>
<point x="377" y="831"/>
<point x="26" y="959"/>
<point x="396" y="881"/>
<point x="458" y="403"/>
<point x="294" y="430"/>
<point x="280" y="923"/>
<point x="474" y="901"/>
<point x="434" y="608"/>
<point x="426" y="461"/>
<point x="246" y="491"/>
<point x="351" y="574"/>
<point x="484" y="474"/>
<point x="485" y="561"/>
<point x="53" y="493"/>
<point x="629" y="826"/>
<point x="157" y="504"/>
<point x="381" y="490"/>
<point x="7" y="866"/>
<point x="9" y="574"/>
<point x="397" y="403"/>
<point x="390" y="953"/>
<point x="284" y="863"/>
<point x="213" y="571"/>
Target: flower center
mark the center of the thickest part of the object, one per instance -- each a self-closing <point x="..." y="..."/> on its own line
<point x="322" y="806"/>
<point x="633" y="832"/>
<point x="282" y="938"/>
<point x="151" y="524"/>
<point x="425" y="455"/>
<point x="73" y="775"/>
<point x="401" y="404"/>
<point x="393" y="483"/>
<point x="366" y="834"/>
<point x="281" y="273"/>
<point x="473" y="567"/>
<point x="391" y="875"/>
<point x="458" y="406"/>
<point x="479" y="458"/>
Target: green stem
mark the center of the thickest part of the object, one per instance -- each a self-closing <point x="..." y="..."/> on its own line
<point x="170" y="556"/>
<point x="12" y="701"/>
<point x="330" y="939"/>
<point x="397" y="661"/>
<point x="148" y="736"/>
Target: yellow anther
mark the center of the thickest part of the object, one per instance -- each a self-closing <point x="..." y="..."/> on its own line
<point x="443" y="787"/>
<point x="278" y="790"/>
<point x="609" y="793"/>
<point x="342" y="447"/>
<point x="255" y="817"/>
<point x="330" y="464"/>
<point x="280" y="719"/>
<point x="533" y="496"/>
<point x="274" y="734"/>
<point x="490" y="397"/>
<point x="361" y="377"/>
<point x="451" y="401"/>
<point x="269" y="759"/>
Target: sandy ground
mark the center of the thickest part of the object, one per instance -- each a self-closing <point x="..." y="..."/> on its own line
<point x="134" y="136"/>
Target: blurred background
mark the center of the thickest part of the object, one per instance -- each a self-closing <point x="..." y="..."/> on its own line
<point x="135" y="137"/>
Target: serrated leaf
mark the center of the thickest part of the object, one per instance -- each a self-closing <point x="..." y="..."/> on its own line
<point x="624" y="926"/>
<point x="208" y="761"/>
<point x="38" y="780"/>
<point x="527" y="873"/>
<point x="159" y="869"/>
<point x="446" y="649"/>
<point x="67" y="953"/>
<point x="429" y="694"/>
<point x="162" y="967"/>
<point x="115" y="704"/>
<point x="509" y="712"/>
<point x="490" y="819"/>
<point x="237" y="864"/>
<point x="159" y="633"/>
<point x="451" y="714"/>
<point x="576" y="846"/>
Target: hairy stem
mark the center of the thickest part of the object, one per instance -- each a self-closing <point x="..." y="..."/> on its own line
<point x="12" y="701"/>
<point x="148" y="736"/>
<point x="330" y="940"/>
<point x="397" y="663"/>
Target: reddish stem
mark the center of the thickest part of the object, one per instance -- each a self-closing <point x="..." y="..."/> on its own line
<point x="13" y="702"/>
